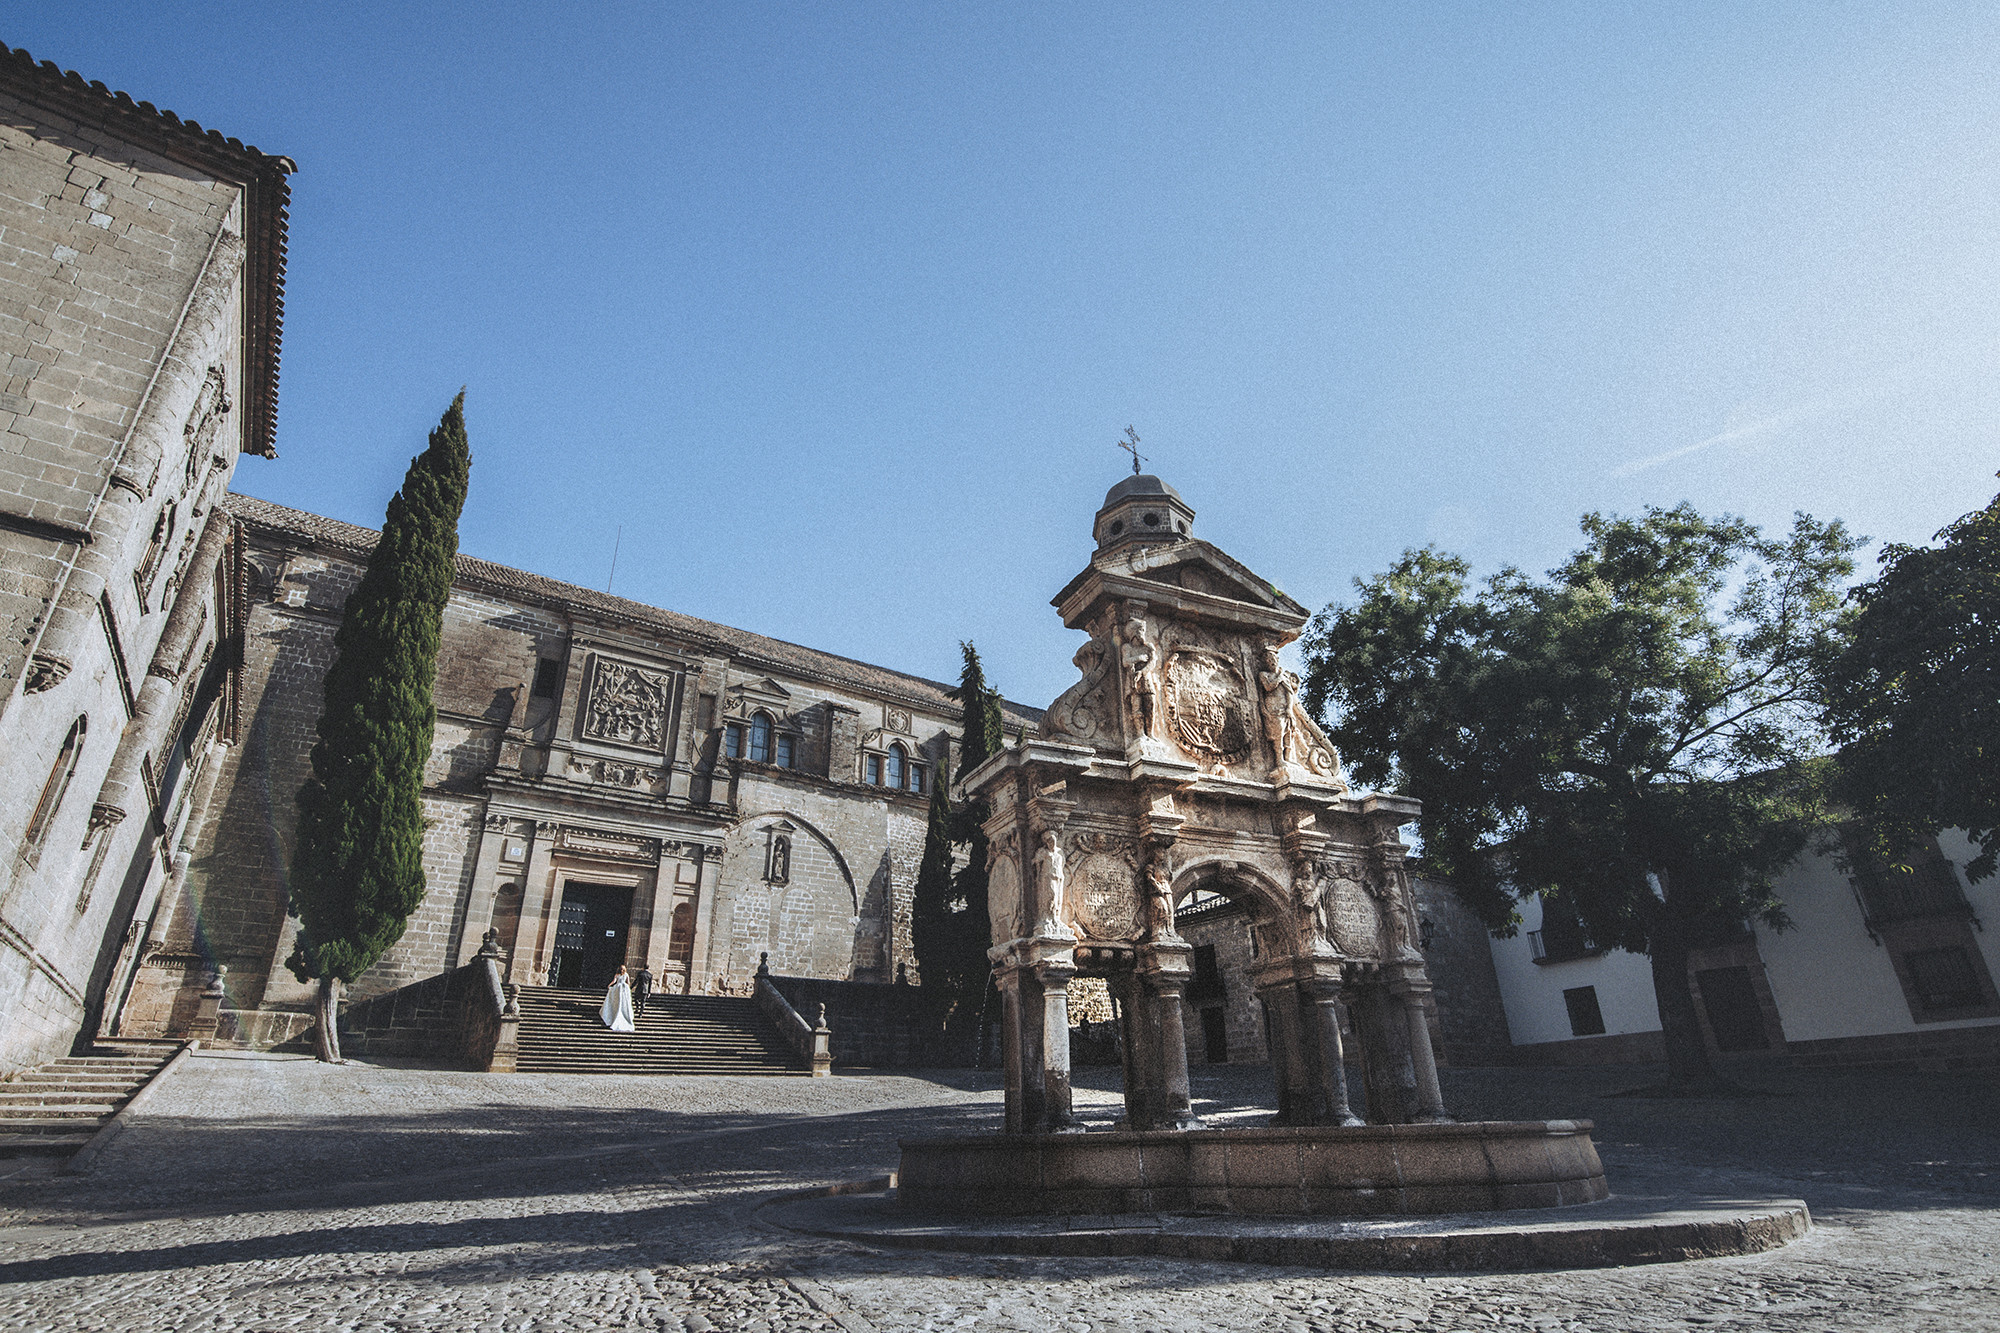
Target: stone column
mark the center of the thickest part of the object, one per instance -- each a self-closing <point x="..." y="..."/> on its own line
<point x="1430" y="1099"/>
<point x="534" y="930"/>
<point x="1023" y="1011"/>
<point x="1135" y="1066"/>
<point x="1333" y="1103"/>
<point x="1289" y="1068"/>
<point x="1052" y="976"/>
<point x="1176" y="1100"/>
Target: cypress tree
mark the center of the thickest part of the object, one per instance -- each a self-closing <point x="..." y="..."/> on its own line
<point x="948" y="922"/>
<point x="357" y="870"/>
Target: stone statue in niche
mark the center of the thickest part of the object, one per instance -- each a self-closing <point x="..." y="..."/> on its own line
<point x="1159" y="897"/>
<point x="1307" y="889"/>
<point x="1135" y="654"/>
<point x="628" y="705"/>
<point x="1387" y="888"/>
<point x="780" y="869"/>
<point x="1051" y="872"/>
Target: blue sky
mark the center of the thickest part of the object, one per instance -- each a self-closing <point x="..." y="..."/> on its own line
<point x="838" y="310"/>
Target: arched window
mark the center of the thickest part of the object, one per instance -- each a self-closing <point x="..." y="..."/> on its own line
<point x="760" y="739"/>
<point x="895" y="774"/>
<point x="53" y="790"/>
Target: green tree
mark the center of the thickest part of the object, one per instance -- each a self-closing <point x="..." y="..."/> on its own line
<point x="358" y="871"/>
<point x="1914" y="698"/>
<point x="1636" y="733"/>
<point x="949" y="929"/>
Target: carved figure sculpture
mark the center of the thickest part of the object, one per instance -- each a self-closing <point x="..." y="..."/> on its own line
<point x="1051" y="871"/>
<point x="1386" y="888"/>
<point x="1159" y="897"/>
<point x="1307" y="889"/>
<point x="1135" y="653"/>
<point x="1279" y="698"/>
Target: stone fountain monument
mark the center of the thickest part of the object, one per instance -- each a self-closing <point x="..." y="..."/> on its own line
<point x="1181" y="761"/>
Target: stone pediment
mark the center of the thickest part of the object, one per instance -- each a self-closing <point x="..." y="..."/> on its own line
<point x="1191" y="576"/>
<point x="746" y="696"/>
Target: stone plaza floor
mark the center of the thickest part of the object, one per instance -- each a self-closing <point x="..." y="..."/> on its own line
<point x="259" y="1192"/>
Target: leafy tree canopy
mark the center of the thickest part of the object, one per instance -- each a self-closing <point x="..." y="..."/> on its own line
<point x="1636" y="731"/>
<point x="1915" y="696"/>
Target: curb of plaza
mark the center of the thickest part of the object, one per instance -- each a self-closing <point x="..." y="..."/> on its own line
<point x="86" y="1157"/>
<point x="1611" y="1234"/>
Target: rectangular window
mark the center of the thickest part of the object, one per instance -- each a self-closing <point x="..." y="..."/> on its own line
<point x="732" y="741"/>
<point x="1943" y="978"/>
<point x="784" y="751"/>
<point x="871" y="770"/>
<point x="1585" y="1018"/>
<point x="548" y="672"/>
<point x="917" y="779"/>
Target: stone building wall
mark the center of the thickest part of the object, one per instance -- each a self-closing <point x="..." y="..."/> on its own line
<point x="533" y="786"/>
<point x="140" y="263"/>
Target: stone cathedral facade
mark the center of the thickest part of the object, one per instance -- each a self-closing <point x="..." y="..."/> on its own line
<point x="610" y="783"/>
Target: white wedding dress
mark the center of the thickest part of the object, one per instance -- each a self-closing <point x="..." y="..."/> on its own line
<point x="618" y="1005"/>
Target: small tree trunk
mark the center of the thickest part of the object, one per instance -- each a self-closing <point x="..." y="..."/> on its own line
<point x="326" y="1037"/>
<point x="1688" y="1065"/>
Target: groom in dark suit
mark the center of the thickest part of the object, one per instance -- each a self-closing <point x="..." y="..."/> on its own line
<point x="642" y="988"/>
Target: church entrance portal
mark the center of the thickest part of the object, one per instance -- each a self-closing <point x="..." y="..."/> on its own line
<point x="590" y="935"/>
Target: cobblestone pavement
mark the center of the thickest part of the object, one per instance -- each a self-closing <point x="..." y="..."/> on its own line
<point x="271" y="1193"/>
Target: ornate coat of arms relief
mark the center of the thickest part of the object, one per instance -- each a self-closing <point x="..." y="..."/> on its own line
<point x="628" y="705"/>
<point x="1103" y="889"/>
<point x="1207" y="707"/>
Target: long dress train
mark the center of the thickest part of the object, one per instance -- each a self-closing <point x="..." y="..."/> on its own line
<point x="617" y="1013"/>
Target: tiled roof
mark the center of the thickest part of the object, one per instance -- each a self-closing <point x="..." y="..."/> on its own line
<point x="742" y="645"/>
<point x="267" y="194"/>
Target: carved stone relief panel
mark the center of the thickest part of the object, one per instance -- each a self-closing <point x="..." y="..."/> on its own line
<point x="1103" y="889"/>
<point x="1209" y="711"/>
<point x="1003" y="886"/>
<point x="897" y="720"/>
<point x="612" y="773"/>
<point x="628" y="705"/>
<point x="1346" y="908"/>
<point x="618" y="846"/>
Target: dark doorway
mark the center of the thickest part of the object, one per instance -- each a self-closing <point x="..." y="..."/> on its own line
<point x="590" y="935"/>
<point x="1733" y="1013"/>
<point x="1214" y="1037"/>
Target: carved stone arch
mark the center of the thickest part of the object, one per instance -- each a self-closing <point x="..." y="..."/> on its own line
<point x="1238" y="880"/>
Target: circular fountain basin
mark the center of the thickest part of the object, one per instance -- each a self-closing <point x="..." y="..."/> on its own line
<point x="1363" y="1170"/>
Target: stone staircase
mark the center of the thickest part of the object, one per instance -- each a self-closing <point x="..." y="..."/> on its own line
<point x="53" y="1109"/>
<point x="561" y="1033"/>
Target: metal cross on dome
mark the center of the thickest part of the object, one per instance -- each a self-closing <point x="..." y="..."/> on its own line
<point x="1130" y="444"/>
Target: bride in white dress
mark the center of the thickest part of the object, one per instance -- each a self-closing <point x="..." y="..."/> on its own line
<point x="618" y="1003"/>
